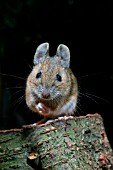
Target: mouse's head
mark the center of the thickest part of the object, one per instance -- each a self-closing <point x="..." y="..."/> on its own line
<point x="50" y="79"/>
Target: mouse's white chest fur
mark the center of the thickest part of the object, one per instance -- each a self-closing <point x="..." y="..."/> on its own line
<point x="69" y="107"/>
<point x="66" y="111"/>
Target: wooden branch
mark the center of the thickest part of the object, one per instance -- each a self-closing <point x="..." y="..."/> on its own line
<point x="65" y="143"/>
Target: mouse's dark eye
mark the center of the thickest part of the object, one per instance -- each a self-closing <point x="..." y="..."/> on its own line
<point x="38" y="75"/>
<point x="58" y="78"/>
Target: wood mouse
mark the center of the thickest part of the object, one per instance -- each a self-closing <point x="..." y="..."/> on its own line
<point x="51" y="87"/>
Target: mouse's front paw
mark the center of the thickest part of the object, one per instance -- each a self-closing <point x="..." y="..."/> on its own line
<point x="42" y="109"/>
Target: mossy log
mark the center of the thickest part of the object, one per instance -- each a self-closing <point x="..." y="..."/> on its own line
<point x="74" y="143"/>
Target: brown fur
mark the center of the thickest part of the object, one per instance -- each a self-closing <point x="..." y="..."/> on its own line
<point x="61" y="93"/>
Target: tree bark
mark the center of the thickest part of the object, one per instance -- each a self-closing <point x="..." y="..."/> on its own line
<point x="68" y="143"/>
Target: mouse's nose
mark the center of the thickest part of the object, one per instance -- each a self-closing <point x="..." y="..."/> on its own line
<point x="45" y="94"/>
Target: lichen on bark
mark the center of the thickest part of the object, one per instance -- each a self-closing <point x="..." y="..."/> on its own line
<point x="72" y="143"/>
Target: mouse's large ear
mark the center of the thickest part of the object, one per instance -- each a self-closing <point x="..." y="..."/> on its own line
<point x="41" y="52"/>
<point x="64" y="53"/>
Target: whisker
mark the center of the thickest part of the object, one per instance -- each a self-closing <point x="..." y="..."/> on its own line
<point x="79" y="109"/>
<point x="86" y="95"/>
<point x="19" y="87"/>
<point x="11" y="75"/>
<point x="26" y="62"/>
<point x="89" y="94"/>
<point x="30" y="66"/>
<point x="16" y="92"/>
<point x="87" y="75"/>
<point x="19" y="100"/>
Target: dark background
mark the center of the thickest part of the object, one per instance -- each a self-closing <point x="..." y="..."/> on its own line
<point x="85" y="27"/>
